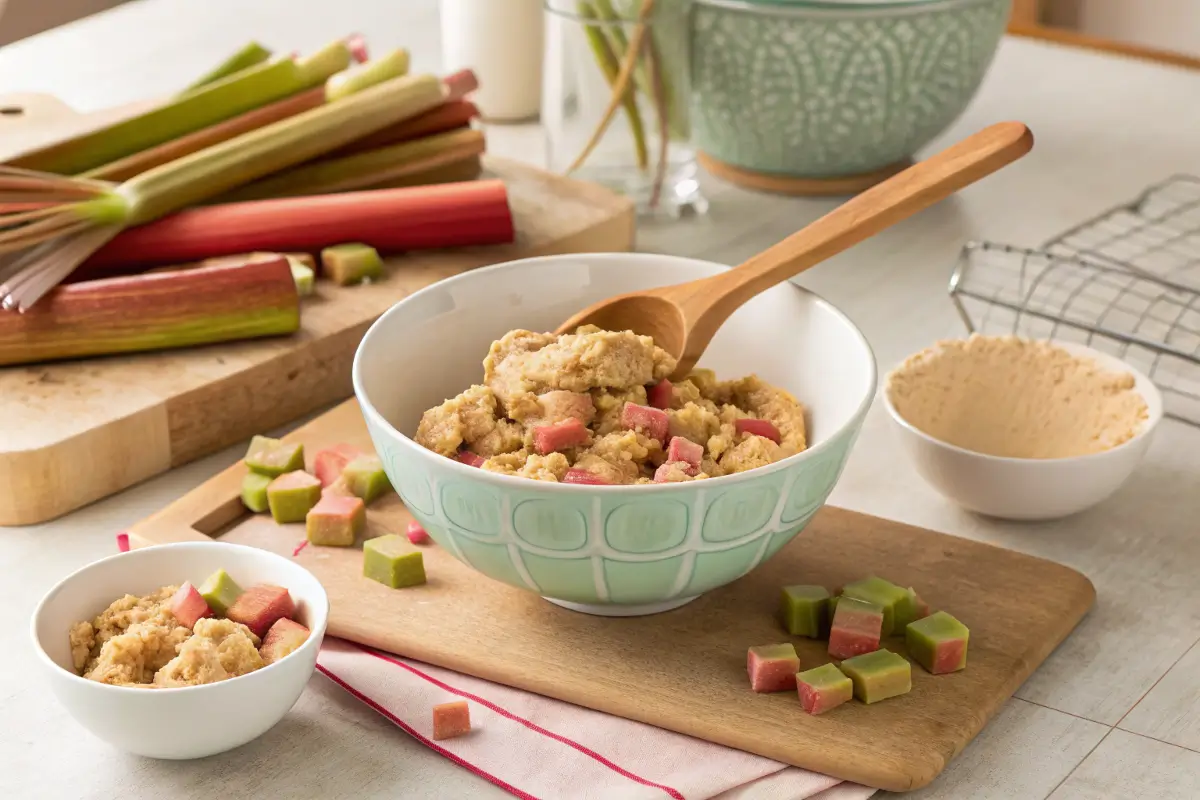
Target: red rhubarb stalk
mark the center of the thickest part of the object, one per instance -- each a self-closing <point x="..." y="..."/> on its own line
<point x="446" y="117"/>
<point x="154" y="312"/>
<point x="389" y="220"/>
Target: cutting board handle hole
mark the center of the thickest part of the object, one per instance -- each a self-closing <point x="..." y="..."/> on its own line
<point x="11" y="111"/>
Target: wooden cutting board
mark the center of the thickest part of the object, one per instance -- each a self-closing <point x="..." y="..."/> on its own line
<point x="75" y="432"/>
<point x="685" y="670"/>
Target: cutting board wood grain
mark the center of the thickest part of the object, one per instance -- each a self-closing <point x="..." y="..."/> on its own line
<point x="75" y="432"/>
<point x="685" y="670"/>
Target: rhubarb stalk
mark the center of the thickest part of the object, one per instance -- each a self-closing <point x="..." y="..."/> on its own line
<point x="155" y="312"/>
<point x="367" y="74"/>
<point x="446" y="117"/>
<point x="249" y="56"/>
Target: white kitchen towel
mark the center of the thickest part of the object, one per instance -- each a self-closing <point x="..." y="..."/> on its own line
<point x="536" y="747"/>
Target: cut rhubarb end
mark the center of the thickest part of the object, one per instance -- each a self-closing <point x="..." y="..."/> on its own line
<point x="335" y="521"/>
<point x="259" y="607"/>
<point x="188" y="606"/>
<point x="772" y="668"/>
<point x="283" y="638"/>
<point x="560" y="436"/>
<point x="582" y="476"/>
<point x="329" y="463"/>
<point x="651" y="422"/>
<point x="674" y="472"/>
<point x="758" y="427"/>
<point x="681" y="449"/>
<point x="470" y="459"/>
<point x="416" y="533"/>
<point x="660" y="394"/>
<point x="347" y="264"/>
<point x="358" y="47"/>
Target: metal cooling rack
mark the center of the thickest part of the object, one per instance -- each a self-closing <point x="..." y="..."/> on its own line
<point x="1126" y="283"/>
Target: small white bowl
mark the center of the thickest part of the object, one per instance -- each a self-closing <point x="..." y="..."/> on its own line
<point x="193" y="721"/>
<point x="1031" y="488"/>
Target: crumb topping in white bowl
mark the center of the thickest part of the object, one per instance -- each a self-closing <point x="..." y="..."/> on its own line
<point x="1016" y="398"/>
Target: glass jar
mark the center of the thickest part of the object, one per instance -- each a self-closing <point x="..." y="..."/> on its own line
<point x="635" y="141"/>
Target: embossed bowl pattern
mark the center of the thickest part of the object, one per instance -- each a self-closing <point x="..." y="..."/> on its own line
<point x="610" y="550"/>
<point x="827" y="90"/>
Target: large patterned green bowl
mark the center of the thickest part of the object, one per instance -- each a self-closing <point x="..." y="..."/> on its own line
<point x="833" y="89"/>
<point x="617" y="550"/>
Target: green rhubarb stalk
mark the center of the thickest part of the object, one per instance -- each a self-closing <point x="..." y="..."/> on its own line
<point x="365" y="75"/>
<point x="610" y="65"/>
<point x="329" y="60"/>
<point x="154" y="312"/>
<point x="250" y="55"/>
<point x="619" y="42"/>
<point x="208" y="105"/>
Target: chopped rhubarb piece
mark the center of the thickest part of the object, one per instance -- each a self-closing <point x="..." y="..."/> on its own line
<point x="681" y="449"/>
<point x="392" y="561"/>
<point x="470" y="459"/>
<point x="878" y="675"/>
<point x="358" y="47"/>
<point x="283" y="638"/>
<point x="451" y="719"/>
<point x="335" y="521"/>
<point x="659" y="395"/>
<point x="652" y="422"/>
<point x="219" y="591"/>
<point x="805" y="610"/>
<point x="260" y="606"/>
<point x="329" y="463"/>
<point x="416" y="533"/>
<point x="188" y="606"/>
<point x="366" y="478"/>
<point x="582" y="476"/>
<point x="923" y="609"/>
<point x="884" y="594"/>
<point x="757" y="427"/>
<point x="254" y="491"/>
<point x="674" y="472"/>
<point x="338" y="488"/>
<point x="910" y="609"/>
<point x="272" y="457"/>
<point x="560" y="436"/>
<point x="938" y="643"/>
<point x="291" y="496"/>
<point x="345" y="264"/>
<point x="856" y="628"/>
<point x="772" y="667"/>
<point x="823" y="688"/>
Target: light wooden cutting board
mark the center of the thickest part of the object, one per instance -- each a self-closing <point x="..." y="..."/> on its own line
<point x="685" y="670"/>
<point x="75" y="432"/>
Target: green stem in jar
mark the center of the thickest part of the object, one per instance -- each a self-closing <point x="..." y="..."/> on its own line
<point x="658" y="98"/>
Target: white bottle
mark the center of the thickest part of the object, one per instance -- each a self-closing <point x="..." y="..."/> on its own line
<point x="501" y="40"/>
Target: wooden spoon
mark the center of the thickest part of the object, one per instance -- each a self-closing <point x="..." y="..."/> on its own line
<point x="683" y="318"/>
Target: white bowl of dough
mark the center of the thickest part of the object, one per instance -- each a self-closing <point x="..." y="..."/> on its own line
<point x="1021" y="429"/>
<point x="190" y="721"/>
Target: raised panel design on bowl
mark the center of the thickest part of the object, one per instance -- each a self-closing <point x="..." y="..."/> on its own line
<point x="741" y="511"/>
<point x="648" y="526"/>
<point x="641" y="581"/>
<point x="550" y="524"/>
<point x="472" y="508"/>
<point x="571" y="579"/>
<point x="717" y="569"/>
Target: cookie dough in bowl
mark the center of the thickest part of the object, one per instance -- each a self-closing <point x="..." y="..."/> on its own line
<point x="1022" y="429"/>
<point x="568" y="467"/>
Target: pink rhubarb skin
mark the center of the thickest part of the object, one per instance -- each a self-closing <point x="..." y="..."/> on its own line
<point x="329" y="463"/>
<point x="470" y="459"/>
<point x="663" y="473"/>
<point x="771" y="674"/>
<point x="681" y="449"/>
<point x="416" y="532"/>
<point x="282" y="639"/>
<point x="659" y="395"/>
<point x="948" y="656"/>
<point x="259" y="607"/>
<point x="855" y="630"/>
<point x="154" y="312"/>
<point x="815" y="700"/>
<point x="652" y="422"/>
<point x="188" y="605"/>
<point x="758" y="427"/>
<point x="559" y="436"/>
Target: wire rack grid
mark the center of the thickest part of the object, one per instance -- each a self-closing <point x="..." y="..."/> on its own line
<point x="1126" y="283"/>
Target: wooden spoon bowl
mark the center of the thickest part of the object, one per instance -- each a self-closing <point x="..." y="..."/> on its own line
<point x="682" y="319"/>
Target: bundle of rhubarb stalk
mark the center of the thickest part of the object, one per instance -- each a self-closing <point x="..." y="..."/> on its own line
<point x="208" y="217"/>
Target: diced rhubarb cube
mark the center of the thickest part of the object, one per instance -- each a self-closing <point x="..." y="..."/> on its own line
<point x="757" y="427"/>
<point x="392" y="561"/>
<point x="884" y="594"/>
<point x="923" y="609"/>
<point x="273" y="457"/>
<point x="188" y="606"/>
<point x="219" y="591"/>
<point x="878" y="675"/>
<point x="416" y="532"/>
<point x="283" y="638"/>
<point x="823" y="688"/>
<point x="652" y="422"/>
<point x="909" y="609"/>
<point x="345" y="264"/>
<point x="674" y="472"/>
<point x="938" y="643"/>
<point x="660" y="394"/>
<point x="857" y="628"/>
<point x="772" y="667"/>
<point x="451" y="719"/>
<point x="582" y="476"/>
<point x="335" y="521"/>
<point x="254" y="491"/>
<point x="805" y="610"/>
<point x="291" y="496"/>
<point x="329" y="463"/>
<point x="681" y="449"/>
<point x="366" y="478"/>
<point x="470" y="459"/>
<point x="560" y="436"/>
<point x="260" y="606"/>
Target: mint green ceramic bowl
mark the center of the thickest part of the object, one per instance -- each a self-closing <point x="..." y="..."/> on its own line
<point x="835" y="88"/>
<point x="618" y="550"/>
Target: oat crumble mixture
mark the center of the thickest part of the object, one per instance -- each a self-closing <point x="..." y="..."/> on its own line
<point x="536" y="381"/>
<point x="137" y="641"/>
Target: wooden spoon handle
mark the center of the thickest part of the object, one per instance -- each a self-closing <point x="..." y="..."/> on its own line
<point x="861" y="217"/>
